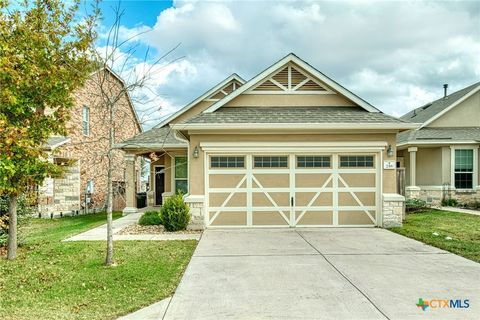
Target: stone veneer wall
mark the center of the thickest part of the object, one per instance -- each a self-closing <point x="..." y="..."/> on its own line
<point x="67" y="190"/>
<point x="197" y="214"/>
<point x="393" y="210"/>
<point x="435" y="196"/>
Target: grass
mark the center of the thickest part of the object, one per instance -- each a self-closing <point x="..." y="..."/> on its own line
<point x="67" y="280"/>
<point x="463" y="228"/>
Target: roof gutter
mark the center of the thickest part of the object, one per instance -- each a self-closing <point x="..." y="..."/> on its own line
<point x="294" y="126"/>
<point x="139" y="146"/>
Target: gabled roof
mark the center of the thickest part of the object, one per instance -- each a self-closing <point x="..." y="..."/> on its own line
<point x="163" y="137"/>
<point x="120" y="79"/>
<point x="307" y="67"/>
<point x="439" y="135"/>
<point x="429" y="112"/>
<point x="293" y="118"/>
<point x="204" y="96"/>
<point x="295" y="114"/>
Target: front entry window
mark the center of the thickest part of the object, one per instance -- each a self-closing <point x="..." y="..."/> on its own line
<point x="181" y="175"/>
<point x="464" y="169"/>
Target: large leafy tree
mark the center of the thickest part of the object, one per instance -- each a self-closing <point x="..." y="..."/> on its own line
<point x="44" y="57"/>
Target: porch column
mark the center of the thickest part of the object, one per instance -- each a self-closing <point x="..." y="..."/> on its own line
<point x="413" y="166"/>
<point x="130" y="185"/>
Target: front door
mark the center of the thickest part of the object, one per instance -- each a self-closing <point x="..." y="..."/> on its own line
<point x="159" y="185"/>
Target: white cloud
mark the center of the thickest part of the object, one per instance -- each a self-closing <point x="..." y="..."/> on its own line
<point x="395" y="55"/>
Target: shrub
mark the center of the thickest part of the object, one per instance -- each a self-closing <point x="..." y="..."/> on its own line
<point x="475" y="204"/>
<point x="150" y="218"/>
<point x="175" y="214"/>
<point x="415" y="205"/>
<point x="449" y="202"/>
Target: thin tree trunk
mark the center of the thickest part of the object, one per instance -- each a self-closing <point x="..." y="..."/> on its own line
<point x="109" y="258"/>
<point x="12" y="228"/>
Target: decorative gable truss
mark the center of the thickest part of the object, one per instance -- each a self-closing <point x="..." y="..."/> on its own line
<point x="290" y="80"/>
<point x="223" y="92"/>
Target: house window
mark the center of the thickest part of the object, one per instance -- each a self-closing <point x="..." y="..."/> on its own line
<point x="227" y="162"/>
<point x="356" y="161"/>
<point x="86" y="120"/>
<point x="463" y="169"/>
<point x="181" y="175"/>
<point x="270" y="162"/>
<point x="313" y="162"/>
<point x="89" y="188"/>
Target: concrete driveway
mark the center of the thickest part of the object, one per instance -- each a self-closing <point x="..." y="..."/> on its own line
<point x="321" y="274"/>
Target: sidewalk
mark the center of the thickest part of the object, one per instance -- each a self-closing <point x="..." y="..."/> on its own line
<point x="455" y="209"/>
<point x="100" y="233"/>
<point x="152" y="312"/>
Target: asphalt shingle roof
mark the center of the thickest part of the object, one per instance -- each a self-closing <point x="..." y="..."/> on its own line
<point x="427" y="111"/>
<point x="292" y="115"/>
<point x="55" y="141"/>
<point x="154" y="136"/>
<point x="447" y="134"/>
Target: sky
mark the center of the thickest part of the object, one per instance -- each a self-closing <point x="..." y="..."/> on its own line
<point x="394" y="54"/>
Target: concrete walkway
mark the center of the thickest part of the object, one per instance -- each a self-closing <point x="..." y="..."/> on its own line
<point x="100" y="233"/>
<point x="455" y="209"/>
<point x="349" y="273"/>
<point x="152" y="312"/>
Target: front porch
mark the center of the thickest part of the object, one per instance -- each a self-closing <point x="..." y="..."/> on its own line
<point x="436" y="172"/>
<point x="167" y="158"/>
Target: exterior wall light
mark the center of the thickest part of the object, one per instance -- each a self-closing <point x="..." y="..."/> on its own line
<point x="390" y="151"/>
<point x="196" y="152"/>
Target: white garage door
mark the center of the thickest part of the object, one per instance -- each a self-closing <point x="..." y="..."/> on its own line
<point x="335" y="189"/>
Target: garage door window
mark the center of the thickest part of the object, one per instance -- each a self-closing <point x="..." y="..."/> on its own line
<point x="313" y="162"/>
<point x="227" y="162"/>
<point x="356" y="161"/>
<point x="270" y="162"/>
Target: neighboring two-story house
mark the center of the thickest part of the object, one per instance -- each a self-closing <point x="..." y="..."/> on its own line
<point x="83" y="152"/>
<point x="441" y="157"/>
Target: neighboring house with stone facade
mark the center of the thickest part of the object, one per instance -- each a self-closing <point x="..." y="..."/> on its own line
<point x="290" y="147"/>
<point x="441" y="157"/>
<point x="83" y="152"/>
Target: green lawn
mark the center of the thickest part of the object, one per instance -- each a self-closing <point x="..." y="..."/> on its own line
<point x="67" y="280"/>
<point x="463" y="228"/>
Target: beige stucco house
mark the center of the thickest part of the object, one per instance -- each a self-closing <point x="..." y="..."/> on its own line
<point x="290" y="147"/>
<point x="83" y="152"/>
<point x="441" y="156"/>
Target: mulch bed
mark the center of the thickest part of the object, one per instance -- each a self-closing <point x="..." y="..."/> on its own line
<point x="138" y="229"/>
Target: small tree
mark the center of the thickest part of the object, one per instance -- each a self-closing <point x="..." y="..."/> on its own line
<point x="44" y="57"/>
<point x="110" y="96"/>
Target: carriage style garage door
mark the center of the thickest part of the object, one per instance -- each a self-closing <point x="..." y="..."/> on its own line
<point x="332" y="189"/>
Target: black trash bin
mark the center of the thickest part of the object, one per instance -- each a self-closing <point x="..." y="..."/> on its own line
<point x="141" y="200"/>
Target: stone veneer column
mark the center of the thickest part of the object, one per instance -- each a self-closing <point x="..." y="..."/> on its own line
<point x="130" y="185"/>
<point x="196" y="205"/>
<point x="393" y="210"/>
